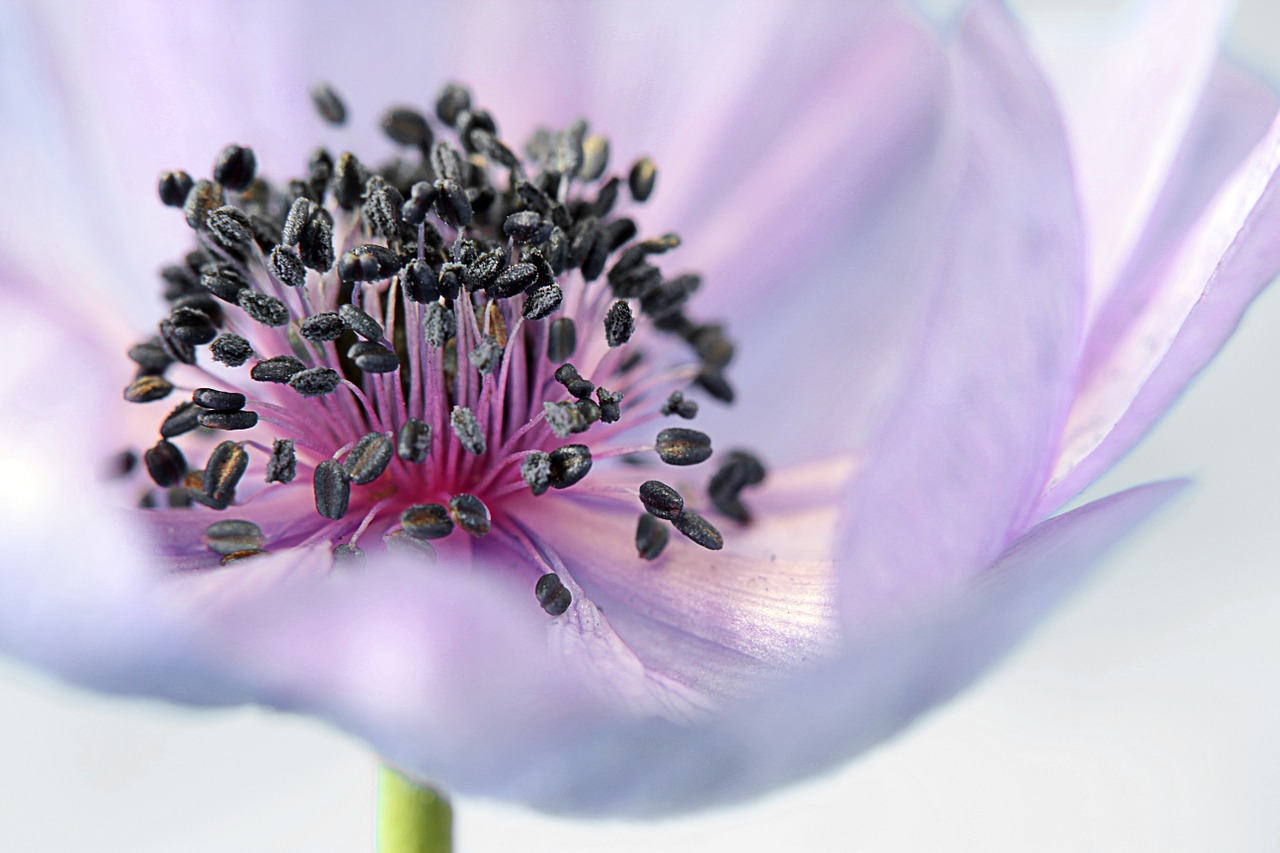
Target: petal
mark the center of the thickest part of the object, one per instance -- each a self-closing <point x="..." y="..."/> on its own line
<point x="962" y="454"/>
<point x="1194" y="298"/>
<point x="825" y="715"/>
<point x="1127" y="103"/>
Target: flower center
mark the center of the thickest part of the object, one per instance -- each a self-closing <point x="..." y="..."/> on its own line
<point x="404" y="356"/>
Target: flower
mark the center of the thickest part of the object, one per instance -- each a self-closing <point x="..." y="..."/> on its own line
<point x="976" y="304"/>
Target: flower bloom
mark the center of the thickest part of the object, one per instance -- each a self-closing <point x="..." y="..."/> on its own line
<point x="960" y="289"/>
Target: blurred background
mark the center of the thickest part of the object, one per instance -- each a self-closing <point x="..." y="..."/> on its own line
<point x="1144" y="716"/>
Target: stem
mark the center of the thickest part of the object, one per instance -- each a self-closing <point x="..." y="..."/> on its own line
<point x="411" y="819"/>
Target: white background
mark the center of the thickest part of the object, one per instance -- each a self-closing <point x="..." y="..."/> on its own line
<point x="1145" y="716"/>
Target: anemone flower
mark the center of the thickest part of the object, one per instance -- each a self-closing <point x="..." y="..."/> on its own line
<point x="451" y="464"/>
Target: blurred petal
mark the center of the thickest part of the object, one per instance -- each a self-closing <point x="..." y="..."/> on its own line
<point x="962" y="453"/>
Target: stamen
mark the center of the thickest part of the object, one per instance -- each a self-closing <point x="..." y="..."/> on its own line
<point x="651" y="537"/>
<point x="328" y="104"/>
<point x="402" y="542"/>
<point x="316" y="382"/>
<point x="562" y="339"/>
<point x="619" y="324"/>
<point x="373" y="358"/>
<point x="349" y="557"/>
<point x="146" y="389"/>
<point x="470" y="513"/>
<point x="282" y="467"/>
<point x="536" y="471"/>
<point x="222" y="474"/>
<point x="679" y="446"/>
<point x="218" y="401"/>
<point x="174" y="187"/>
<point x="235" y="167"/>
<point x="360" y="322"/>
<point x="554" y="596"/>
<point x="661" y="500"/>
<point x="427" y="521"/>
<point x="699" y="530"/>
<point x="414" y="440"/>
<point x="467" y="429"/>
<point x="332" y="487"/>
<point x="233" y="535"/>
<point x="568" y="376"/>
<point x="369" y="458"/>
<point x="181" y="420"/>
<point x="279" y="369"/>
<point x="264" y="308"/>
<point x="677" y="405"/>
<point x="165" y="463"/>
<point x="644" y="174"/>
<point x="569" y="464"/>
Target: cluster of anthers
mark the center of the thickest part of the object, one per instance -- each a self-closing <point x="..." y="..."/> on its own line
<point x="401" y="351"/>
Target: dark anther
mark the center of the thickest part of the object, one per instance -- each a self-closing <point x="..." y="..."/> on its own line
<point x="470" y="513"/>
<point x="567" y="375"/>
<point x="661" y="500"/>
<point x="642" y="177"/>
<point x="165" y="463"/>
<point x="699" y="530"/>
<point x="349" y="178"/>
<point x="232" y="536"/>
<point x="619" y="232"/>
<point x="713" y="382"/>
<point x="541" y="301"/>
<point x="230" y="349"/>
<point x="322" y="327"/>
<point x="235" y="167"/>
<point x="150" y="356"/>
<point x="569" y="464"/>
<point x="192" y="326"/>
<point x="467" y="429"/>
<point x="452" y="100"/>
<point x="201" y="301"/>
<point x="740" y="470"/>
<point x="452" y="203"/>
<point x="635" y="283"/>
<point x="373" y="358"/>
<point x="419" y="282"/>
<point x="565" y="418"/>
<point x="360" y="322"/>
<point x="369" y="458"/>
<point x="554" y="596"/>
<point x="223" y="282"/>
<point x="203" y="197"/>
<point x="451" y="278"/>
<point x="145" y="389"/>
<point x="484" y="269"/>
<point x="332" y="487"/>
<point x="174" y="346"/>
<point x="589" y="411"/>
<point x="595" y="158"/>
<point x="319" y="174"/>
<point x="218" y="401"/>
<point x="279" y="369"/>
<point x="179" y="279"/>
<point x="230" y="226"/>
<point x="295" y="222"/>
<point x="514" y="279"/>
<point x="181" y="420"/>
<point x="174" y="187"/>
<point x="472" y="121"/>
<point x="485" y="356"/>
<point x="414" y="440"/>
<point x="229" y="420"/>
<point x="368" y="263"/>
<point x="670" y="296"/>
<point x="711" y="344"/>
<point x="328" y="104"/>
<point x="381" y="209"/>
<point x="651" y="537"/>
<point x="402" y="542"/>
<point x="421" y="196"/>
<point x="448" y="163"/>
<point x="282" y="467"/>
<point x="263" y="307"/>
<point x="619" y="324"/>
<point x="241" y="556"/>
<point x="315" y="246"/>
<point x="427" y="521"/>
<point x="222" y="474"/>
<point x="316" y="382"/>
<point x="493" y="148"/>
<point x="407" y="127"/>
<point x="536" y="471"/>
<point x="610" y="405"/>
<point x="527" y="226"/>
<point x="287" y="268"/>
<point x="562" y="339"/>
<point x="679" y="446"/>
<point x="349" y="556"/>
<point x="677" y="405"/>
<point x="438" y="324"/>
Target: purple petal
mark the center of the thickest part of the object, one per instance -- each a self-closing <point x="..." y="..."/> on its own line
<point x="962" y="454"/>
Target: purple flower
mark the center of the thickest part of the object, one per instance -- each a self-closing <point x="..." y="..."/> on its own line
<point x="953" y="307"/>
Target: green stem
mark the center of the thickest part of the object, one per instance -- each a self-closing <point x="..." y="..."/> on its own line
<point x="411" y="819"/>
